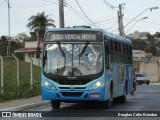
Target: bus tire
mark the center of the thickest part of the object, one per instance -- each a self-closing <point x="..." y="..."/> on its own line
<point x="116" y="100"/>
<point x="107" y="103"/>
<point x="55" y="104"/>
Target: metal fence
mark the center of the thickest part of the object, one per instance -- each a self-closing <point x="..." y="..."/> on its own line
<point x="18" y="78"/>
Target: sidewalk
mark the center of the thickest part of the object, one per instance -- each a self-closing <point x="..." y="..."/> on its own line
<point x="154" y="83"/>
<point x="20" y="102"/>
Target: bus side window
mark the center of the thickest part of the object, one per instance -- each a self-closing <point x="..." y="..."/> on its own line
<point x="107" y="51"/>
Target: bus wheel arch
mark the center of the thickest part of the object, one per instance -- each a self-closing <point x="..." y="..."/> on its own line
<point x="126" y="87"/>
<point x="111" y="89"/>
<point x="123" y="98"/>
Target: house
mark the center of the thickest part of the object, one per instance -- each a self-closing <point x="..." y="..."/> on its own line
<point x="21" y="37"/>
<point x="139" y="55"/>
<point x="29" y="51"/>
<point x="138" y="35"/>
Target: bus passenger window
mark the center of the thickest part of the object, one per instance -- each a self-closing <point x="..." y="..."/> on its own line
<point x="107" y="54"/>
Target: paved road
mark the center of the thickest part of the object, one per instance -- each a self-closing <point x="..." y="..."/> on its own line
<point x="146" y="98"/>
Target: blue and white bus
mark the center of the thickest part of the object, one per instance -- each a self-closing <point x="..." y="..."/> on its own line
<point x="85" y="64"/>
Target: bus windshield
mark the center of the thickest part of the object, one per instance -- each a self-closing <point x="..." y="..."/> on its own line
<point x="73" y="59"/>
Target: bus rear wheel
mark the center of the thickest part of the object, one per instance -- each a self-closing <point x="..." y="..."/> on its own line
<point x="55" y="104"/>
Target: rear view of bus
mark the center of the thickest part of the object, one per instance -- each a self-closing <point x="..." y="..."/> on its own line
<point x="74" y="67"/>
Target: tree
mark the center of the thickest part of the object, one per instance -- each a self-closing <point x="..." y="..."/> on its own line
<point x="3" y="46"/>
<point x="39" y="23"/>
<point x="139" y="44"/>
<point x="151" y="45"/>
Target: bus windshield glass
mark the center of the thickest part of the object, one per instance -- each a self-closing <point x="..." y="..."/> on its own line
<point x="73" y="59"/>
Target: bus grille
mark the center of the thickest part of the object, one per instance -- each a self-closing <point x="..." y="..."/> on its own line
<point x="76" y="88"/>
<point x="72" y="94"/>
<point x="72" y="82"/>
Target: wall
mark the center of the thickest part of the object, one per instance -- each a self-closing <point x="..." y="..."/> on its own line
<point x="31" y="44"/>
<point x="35" y="60"/>
<point x="151" y="69"/>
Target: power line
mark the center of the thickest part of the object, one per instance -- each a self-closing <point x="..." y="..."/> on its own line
<point x="94" y="22"/>
<point x="76" y="12"/>
<point x="105" y="20"/>
<point x="86" y="15"/>
<point x="50" y="2"/>
<point x="109" y="5"/>
<point x="83" y="15"/>
<point x="80" y="15"/>
<point x="111" y="26"/>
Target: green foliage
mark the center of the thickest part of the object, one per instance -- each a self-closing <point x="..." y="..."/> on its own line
<point x="139" y="44"/>
<point x="150" y="45"/>
<point x="10" y="80"/>
<point x="40" y="22"/>
<point x="3" y="46"/>
<point x="13" y="46"/>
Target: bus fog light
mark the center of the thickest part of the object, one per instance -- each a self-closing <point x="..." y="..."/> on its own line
<point x="95" y="95"/>
<point x="50" y="86"/>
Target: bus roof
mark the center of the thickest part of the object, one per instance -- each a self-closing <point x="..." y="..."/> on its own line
<point x="111" y="35"/>
<point x="118" y="38"/>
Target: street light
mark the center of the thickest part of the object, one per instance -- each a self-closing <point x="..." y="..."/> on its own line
<point x="8" y="3"/>
<point x="136" y="23"/>
<point x="152" y="8"/>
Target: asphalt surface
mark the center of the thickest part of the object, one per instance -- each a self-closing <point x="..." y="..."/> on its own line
<point x="146" y="98"/>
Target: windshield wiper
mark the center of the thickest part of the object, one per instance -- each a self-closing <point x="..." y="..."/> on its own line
<point x="62" y="52"/>
<point x="84" y="49"/>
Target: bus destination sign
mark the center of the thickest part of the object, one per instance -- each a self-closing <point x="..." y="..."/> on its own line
<point x="57" y="36"/>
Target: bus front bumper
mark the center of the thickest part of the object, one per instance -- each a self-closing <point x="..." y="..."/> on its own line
<point x="74" y="95"/>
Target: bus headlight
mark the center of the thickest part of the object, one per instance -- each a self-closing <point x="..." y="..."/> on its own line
<point x="48" y="85"/>
<point x="96" y="85"/>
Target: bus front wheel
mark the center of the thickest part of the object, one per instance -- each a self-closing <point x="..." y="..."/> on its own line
<point x="55" y="104"/>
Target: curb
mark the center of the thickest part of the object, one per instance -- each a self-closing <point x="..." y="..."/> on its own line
<point x="24" y="107"/>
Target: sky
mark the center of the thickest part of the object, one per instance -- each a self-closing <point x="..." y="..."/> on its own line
<point x="98" y="12"/>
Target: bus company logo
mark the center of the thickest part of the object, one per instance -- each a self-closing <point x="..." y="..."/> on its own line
<point x="72" y="78"/>
<point x="72" y="87"/>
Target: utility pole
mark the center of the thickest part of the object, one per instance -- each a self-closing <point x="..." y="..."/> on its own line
<point x="120" y="21"/>
<point x="61" y="14"/>
<point x="8" y="4"/>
